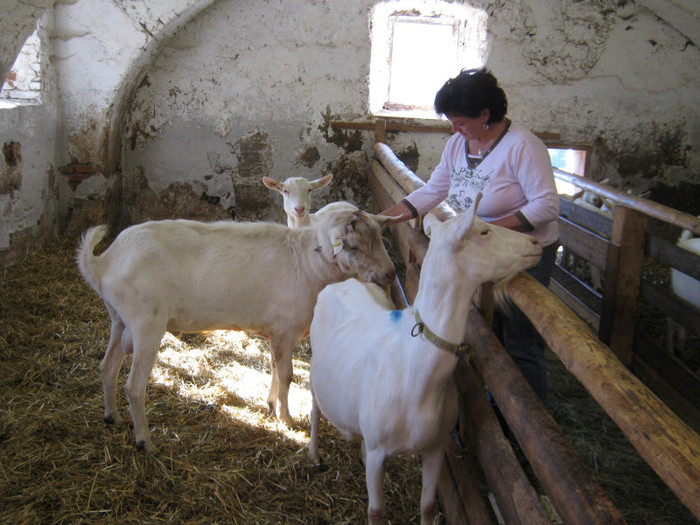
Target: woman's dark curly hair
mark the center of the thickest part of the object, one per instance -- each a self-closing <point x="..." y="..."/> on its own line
<point x="469" y="93"/>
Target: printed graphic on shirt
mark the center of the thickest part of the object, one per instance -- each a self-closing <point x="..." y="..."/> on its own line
<point x="465" y="184"/>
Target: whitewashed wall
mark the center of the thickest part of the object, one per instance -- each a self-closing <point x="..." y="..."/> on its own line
<point x="187" y="102"/>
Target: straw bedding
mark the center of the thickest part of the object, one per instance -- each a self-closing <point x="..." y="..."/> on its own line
<point x="221" y="458"/>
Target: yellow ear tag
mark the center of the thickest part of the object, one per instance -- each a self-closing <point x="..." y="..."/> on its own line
<point x="337" y="246"/>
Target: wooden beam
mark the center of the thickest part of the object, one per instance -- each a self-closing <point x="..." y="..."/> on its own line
<point x="462" y="467"/>
<point x="517" y="499"/>
<point x="576" y="495"/>
<point x="409" y="125"/>
<point x="619" y="198"/>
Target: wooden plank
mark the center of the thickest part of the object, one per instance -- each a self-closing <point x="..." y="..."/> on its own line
<point x="409" y="125"/>
<point x="386" y="182"/>
<point x="628" y="236"/>
<point x="610" y="299"/>
<point x="449" y="496"/>
<point x="676" y="401"/>
<point x="671" y="255"/>
<point x="583" y="243"/>
<point x="380" y="130"/>
<point x="577" y="288"/>
<point x="668" y="367"/>
<point x="570" y="300"/>
<point x="589" y="219"/>
<point x="671" y="306"/>
<point x="412" y="278"/>
<point x="667" y="444"/>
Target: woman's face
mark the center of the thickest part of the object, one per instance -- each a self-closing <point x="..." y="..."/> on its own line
<point x="469" y="128"/>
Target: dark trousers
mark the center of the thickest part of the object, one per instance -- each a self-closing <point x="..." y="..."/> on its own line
<point x="520" y="339"/>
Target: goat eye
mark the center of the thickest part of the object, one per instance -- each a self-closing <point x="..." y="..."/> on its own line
<point x="485" y="232"/>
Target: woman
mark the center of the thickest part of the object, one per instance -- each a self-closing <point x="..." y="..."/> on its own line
<point x="511" y="167"/>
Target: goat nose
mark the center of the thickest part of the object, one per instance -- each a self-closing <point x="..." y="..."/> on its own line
<point x="299" y="209"/>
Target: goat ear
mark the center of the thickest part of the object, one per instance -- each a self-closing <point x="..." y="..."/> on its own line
<point x="271" y="183"/>
<point x="430" y="222"/>
<point x="464" y="221"/>
<point x="382" y="220"/>
<point x="338" y="245"/>
<point x="320" y="183"/>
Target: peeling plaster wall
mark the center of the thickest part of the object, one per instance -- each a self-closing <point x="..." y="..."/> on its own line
<point x="615" y="77"/>
<point x="28" y="184"/>
<point x="236" y="102"/>
<point x="618" y="78"/>
<point x="192" y="101"/>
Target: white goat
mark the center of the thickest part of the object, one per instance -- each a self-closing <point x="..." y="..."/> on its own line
<point x="383" y="375"/>
<point x="296" y="194"/>
<point x="190" y="276"/>
<point x="684" y="287"/>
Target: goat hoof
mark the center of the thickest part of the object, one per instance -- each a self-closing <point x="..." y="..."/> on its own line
<point x="111" y="420"/>
<point x="318" y="464"/>
<point x="145" y="446"/>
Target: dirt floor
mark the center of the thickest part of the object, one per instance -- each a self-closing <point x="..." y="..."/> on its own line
<point x="221" y="458"/>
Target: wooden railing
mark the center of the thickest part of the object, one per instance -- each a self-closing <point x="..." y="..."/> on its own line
<point x="620" y="246"/>
<point x="668" y="445"/>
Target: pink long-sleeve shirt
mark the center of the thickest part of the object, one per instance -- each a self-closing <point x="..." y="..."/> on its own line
<point x="516" y="176"/>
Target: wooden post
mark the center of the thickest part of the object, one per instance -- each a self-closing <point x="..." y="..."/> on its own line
<point x="380" y="130"/>
<point x="626" y="254"/>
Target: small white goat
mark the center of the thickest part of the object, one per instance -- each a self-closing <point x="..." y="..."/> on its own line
<point x="385" y="375"/>
<point x="685" y="287"/>
<point x="296" y="194"/>
<point x="189" y="276"/>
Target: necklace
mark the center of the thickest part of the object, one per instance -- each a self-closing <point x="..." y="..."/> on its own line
<point x="474" y="160"/>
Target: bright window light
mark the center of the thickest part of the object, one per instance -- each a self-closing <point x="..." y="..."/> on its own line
<point x="23" y="84"/>
<point x="416" y="47"/>
<point x="570" y="160"/>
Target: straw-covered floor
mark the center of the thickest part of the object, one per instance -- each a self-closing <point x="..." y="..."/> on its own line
<point x="221" y="458"/>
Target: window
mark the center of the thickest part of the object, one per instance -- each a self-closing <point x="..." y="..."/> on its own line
<point x="416" y="47"/>
<point x="23" y="84"/>
<point x="570" y="160"/>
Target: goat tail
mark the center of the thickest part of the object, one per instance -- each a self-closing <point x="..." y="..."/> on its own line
<point x="85" y="256"/>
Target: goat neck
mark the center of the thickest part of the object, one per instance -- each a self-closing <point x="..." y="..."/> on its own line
<point x="444" y="297"/>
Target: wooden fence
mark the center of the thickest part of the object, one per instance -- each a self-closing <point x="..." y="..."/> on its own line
<point x="666" y="443"/>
